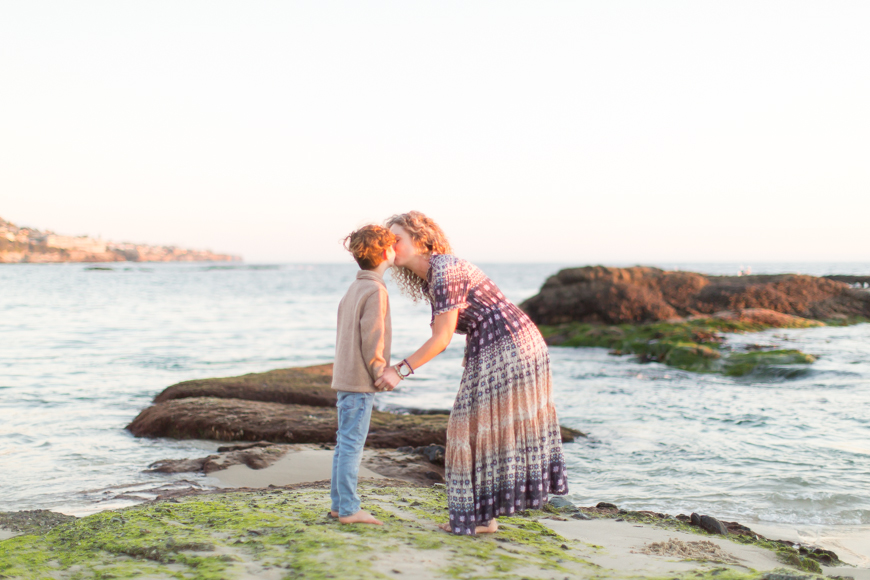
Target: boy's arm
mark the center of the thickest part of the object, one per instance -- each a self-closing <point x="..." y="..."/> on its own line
<point x="442" y="331"/>
<point x="373" y="328"/>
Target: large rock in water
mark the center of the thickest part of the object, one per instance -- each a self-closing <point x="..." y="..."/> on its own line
<point x="298" y="386"/>
<point x="293" y="405"/>
<point x="599" y="294"/>
<point x="241" y="420"/>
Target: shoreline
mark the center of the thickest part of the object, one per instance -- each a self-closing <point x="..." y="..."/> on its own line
<point x="843" y="535"/>
<point x="850" y="542"/>
<point x="616" y="543"/>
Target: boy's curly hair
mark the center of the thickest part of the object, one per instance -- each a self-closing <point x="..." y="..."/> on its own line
<point x="426" y="235"/>
<point x="367" y="245"/>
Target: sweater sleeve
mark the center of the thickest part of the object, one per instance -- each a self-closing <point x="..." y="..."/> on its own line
<point x="373" y="332"/>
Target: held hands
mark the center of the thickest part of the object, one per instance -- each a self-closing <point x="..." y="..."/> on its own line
<point x="388" y="380"/>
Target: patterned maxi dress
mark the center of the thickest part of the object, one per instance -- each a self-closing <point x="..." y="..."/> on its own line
<point x="504" y="447"/>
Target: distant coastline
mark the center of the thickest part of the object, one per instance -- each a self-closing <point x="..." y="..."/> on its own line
<point x="31" y="246"/>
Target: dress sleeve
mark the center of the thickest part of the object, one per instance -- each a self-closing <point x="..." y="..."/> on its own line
<point x="448" y="287"/>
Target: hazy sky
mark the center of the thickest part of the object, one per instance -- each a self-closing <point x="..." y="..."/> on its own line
<point x="532" y="131"/>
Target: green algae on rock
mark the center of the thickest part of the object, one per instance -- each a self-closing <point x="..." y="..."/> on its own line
<point x="285" y="533"/>
<point x="694" y="345"/>
<point x="280" y="534"/>
<point x="740" y="364"/>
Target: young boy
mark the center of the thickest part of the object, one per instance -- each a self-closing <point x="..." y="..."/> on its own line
<point x="362" y="352"/>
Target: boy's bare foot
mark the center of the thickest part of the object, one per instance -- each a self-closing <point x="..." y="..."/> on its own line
<point x="333" y="514"/>
<point x="490" y="529"/>
<point x="361" y="517"/>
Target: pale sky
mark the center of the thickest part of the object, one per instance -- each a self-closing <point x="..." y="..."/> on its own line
<point x="577" y="132"/>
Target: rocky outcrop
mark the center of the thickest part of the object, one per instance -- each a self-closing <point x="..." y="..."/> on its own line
<point x="241" y="420"/>
<point x="29" y="245"/>
<point x="598" y="294"/>
<point x="286" y="532"/>
<point x="297" y="386"/>
<point x="293" y="405"/>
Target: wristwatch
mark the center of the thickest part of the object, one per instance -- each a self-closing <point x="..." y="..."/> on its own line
<point x="399" y="367"/>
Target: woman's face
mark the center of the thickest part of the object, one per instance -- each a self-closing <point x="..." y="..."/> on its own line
<point x="404" y="246"/>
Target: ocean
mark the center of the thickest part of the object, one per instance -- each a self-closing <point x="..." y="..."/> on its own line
<point x="84" y="350"/>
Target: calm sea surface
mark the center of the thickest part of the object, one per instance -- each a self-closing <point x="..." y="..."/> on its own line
<point x="83" y="351"/>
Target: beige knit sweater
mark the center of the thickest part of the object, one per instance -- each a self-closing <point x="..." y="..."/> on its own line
<point x="362" y="343"/>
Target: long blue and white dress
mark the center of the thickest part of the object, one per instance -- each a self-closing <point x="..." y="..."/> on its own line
<point x="504" y="446"/>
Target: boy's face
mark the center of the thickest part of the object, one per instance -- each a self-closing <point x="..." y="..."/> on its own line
<point x="390" y="256"/>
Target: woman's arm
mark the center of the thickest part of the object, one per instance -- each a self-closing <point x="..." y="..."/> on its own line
<point x="442" y="332"/>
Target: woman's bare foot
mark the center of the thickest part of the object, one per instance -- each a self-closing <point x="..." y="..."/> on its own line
<point x="490" y="529"/>
<point x="361" y="517"/>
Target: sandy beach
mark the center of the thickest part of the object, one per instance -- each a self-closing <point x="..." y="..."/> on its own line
<point x="272" y="523"/>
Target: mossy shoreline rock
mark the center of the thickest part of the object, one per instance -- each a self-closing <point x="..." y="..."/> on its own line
<point x="285" y="533"/>
<point x="677" y="318"/>
<point x="32" y="521"/>
<point x="695" y="344"/>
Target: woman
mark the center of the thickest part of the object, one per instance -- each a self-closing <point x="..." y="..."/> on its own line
<point x="504" y="447"/>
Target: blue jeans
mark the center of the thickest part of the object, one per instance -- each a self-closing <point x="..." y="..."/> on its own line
<point x="354" y="416"/>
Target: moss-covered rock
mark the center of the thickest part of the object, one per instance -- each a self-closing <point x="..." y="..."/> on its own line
<point x="694" y="345"/>
<point x="297" y="385"/>
<point x="285" y="533"/>
<point x="740" y="364"/>
<point x="32" y="521"/>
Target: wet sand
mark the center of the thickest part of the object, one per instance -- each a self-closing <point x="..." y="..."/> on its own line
<point x="297" y="466"/>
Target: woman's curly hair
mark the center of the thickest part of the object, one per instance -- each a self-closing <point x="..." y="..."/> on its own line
<point x="426" y="235"/>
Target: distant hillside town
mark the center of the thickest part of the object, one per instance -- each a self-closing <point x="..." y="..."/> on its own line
<point x="28" y="245"/>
